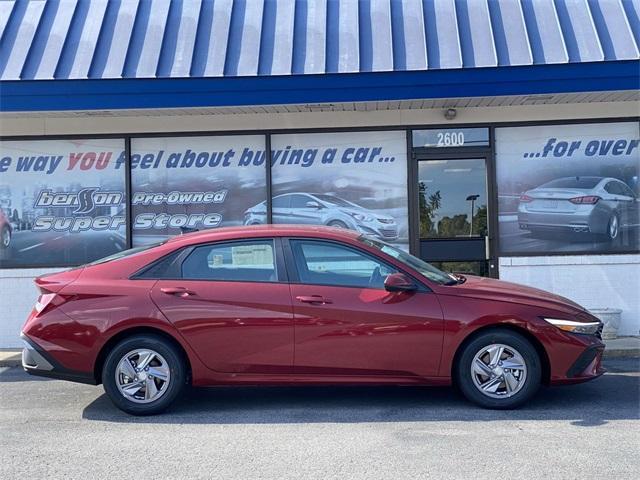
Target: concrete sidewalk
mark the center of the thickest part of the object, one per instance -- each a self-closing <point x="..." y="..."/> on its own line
<point x="622" y="347"/>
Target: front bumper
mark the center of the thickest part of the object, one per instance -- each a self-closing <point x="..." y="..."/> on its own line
<point x="387" y="232"/>
<point x="581" y="362"/>
<point x="587" y="366"/>
<point x="36" y="361"/>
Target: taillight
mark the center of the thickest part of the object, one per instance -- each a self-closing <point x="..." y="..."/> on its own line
<point x="48" y="301"/>
<point x="587" y="200"/>
<point x="525" y="198"/>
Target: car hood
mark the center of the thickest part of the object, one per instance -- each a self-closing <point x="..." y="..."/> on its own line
<point x="499" y="290"/>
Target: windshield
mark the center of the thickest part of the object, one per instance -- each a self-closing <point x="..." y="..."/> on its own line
<point x="340" y="202"/>
<point x="124" y="253"/>
<point x="429" y="271"/>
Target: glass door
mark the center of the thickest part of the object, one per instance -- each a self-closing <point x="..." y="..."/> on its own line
<point x="453" y="217"/>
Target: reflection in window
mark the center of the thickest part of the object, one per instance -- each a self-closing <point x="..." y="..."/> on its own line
<point x="453" y="198"/>
<point x="323" y="263"/>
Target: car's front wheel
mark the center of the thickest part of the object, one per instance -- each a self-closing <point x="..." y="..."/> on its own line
<point x="498" y="369"/>
<point x="5" y="237"/>
<point x="144" y="374"/>
<point x="337" y="224"/>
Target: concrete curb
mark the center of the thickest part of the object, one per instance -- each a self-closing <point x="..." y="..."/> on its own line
<point x="622" y="353"/>
<point x="11" y="358"/>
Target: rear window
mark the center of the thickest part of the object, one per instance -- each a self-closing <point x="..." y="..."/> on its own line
<point x="125" y="253"/>
<point x="586" y="183"/>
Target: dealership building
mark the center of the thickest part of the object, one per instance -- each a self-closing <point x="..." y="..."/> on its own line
<point x="493" y="137"/>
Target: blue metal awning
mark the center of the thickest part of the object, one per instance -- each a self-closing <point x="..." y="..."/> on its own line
<point x="91" y="40"/>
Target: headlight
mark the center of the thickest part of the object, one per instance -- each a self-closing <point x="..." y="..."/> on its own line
<point x="360" y="217"/>
<point x="587" y="328"/>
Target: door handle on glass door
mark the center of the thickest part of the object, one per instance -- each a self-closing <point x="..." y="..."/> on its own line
<point x="177" y="291"/>
<point x="313" y="299"/>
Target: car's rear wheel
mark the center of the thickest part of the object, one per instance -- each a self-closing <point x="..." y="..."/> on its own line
<point x="498" y="369"/>
<point x="613" y="228"/>
<point x="144" y="374"/>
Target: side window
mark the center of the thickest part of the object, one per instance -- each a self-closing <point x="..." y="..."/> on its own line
<point x="614" y="188"/>
<point x="609" y="188"/>
<point x="246" y="261"/>
<point x="324" y="263"/>
<point x="282" y="201"/>
<point x="167" y="267"/>
<point x="625" y="190"/>
<point x="300" y="201"/>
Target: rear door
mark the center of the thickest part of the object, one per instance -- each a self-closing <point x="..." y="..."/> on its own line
<point x="231" y="302"/>
<point x="346" y="323"/>
<point x="281" y="209"/>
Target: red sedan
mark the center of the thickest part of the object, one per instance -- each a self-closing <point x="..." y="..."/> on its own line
<point x="299" y="305"/>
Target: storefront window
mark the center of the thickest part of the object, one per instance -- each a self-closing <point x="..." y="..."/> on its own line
<point x="354" y="180"/>
<point x="181" y="184"/>
<point x="62" y="202"/>
<point x="569" y="188"/>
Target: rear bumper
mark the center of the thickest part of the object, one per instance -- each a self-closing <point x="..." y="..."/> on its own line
<point x="35" y="361"/>
<point x="593" y="220"/>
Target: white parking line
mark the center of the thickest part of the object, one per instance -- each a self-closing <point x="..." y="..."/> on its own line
<point x="32" y="247"/>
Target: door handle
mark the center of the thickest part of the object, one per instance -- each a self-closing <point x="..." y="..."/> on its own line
<point x="313" y="299"/>
<point x="177" y="291"/>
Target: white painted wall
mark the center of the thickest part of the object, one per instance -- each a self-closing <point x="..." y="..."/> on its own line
<point x="18" y="294"/>
<point x="593" y="281"/>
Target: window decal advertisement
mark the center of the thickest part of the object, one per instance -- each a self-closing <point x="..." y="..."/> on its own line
<point x="181" y="184"/>
<point x="354" y="180"/>
<point x="569" y="188"/>
<point x="62" y="202"/>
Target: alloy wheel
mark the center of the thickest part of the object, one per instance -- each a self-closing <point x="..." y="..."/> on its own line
<point x="613" y="227"/>
<point x="6" y="237"/>
<point x="498" y="371"/>
<point x="142" y="375"/>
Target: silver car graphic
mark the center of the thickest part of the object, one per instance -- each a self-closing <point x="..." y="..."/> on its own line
<point x="597" y="205"/>
<point x="324" y="209"/>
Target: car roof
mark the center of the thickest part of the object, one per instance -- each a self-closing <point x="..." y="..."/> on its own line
<point x="253" y="231"/>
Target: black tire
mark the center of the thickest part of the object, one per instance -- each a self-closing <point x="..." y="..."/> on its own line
<point x="463" y="374"/>
<point x="613" y="238"/>
<point x="5" y="231"/>
<point x="175" y="363"/>
<point x="338" y="224"/>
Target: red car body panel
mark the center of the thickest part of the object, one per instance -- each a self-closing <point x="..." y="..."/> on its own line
<point x="233" y="326"/>
<point x="367" y="332"/>
<point x="260" y="333"/>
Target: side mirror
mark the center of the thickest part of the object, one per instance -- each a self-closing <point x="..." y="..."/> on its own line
<point x="399" y="282"/>
<point x="313" y="204"/>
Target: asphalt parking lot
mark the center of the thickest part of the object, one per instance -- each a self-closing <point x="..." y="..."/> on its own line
<point x="52" y="429"/>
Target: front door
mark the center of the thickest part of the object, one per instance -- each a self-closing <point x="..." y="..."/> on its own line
<point x="232" y="305"/>
<point x="346" y="323"/>
<point x="453" y="214"/>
